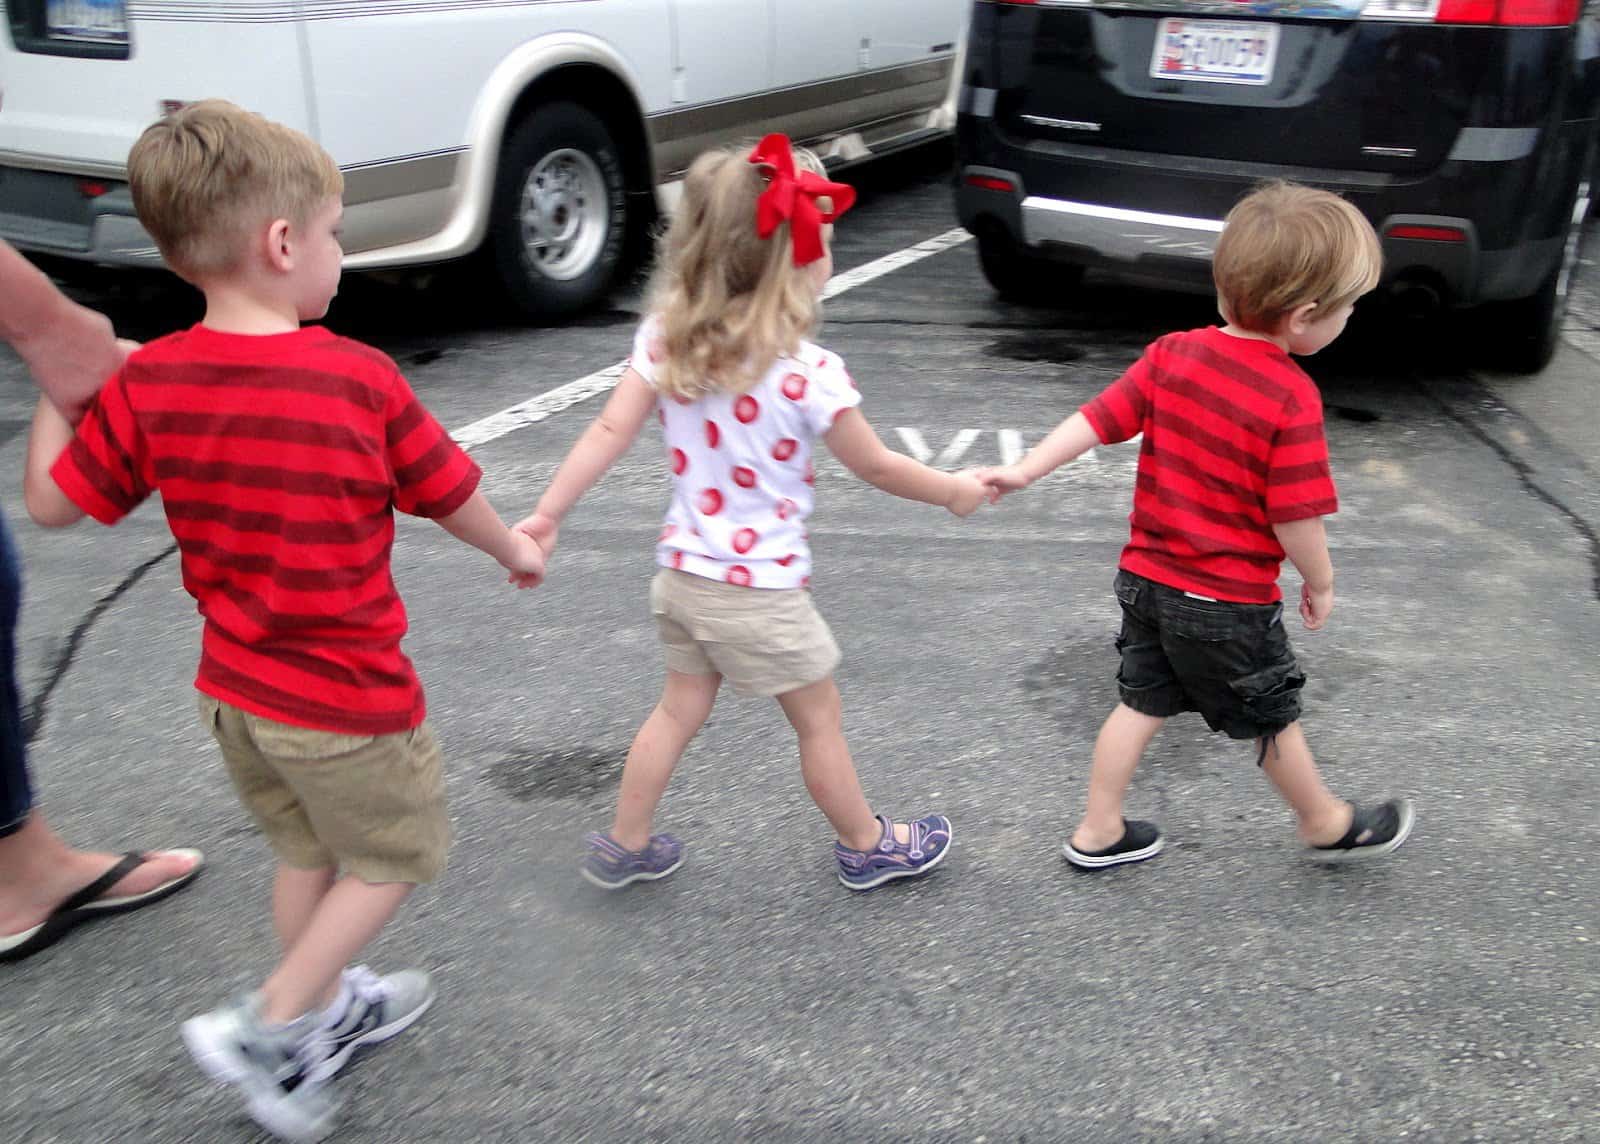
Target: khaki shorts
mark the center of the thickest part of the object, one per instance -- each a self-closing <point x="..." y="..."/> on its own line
<point x="764" y="641"/>
<point x="370" y="805"/>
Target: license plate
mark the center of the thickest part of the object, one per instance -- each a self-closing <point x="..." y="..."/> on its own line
<point x="1214" y="51"/>
<point x="87" y="21"/>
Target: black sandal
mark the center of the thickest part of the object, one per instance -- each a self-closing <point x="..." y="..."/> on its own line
<point x="1373" y="832"/>
<point x="1139" y="841"/>
<point x="87" y="904"/>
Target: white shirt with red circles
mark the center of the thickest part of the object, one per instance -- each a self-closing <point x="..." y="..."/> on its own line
<point x="741" y="466"/>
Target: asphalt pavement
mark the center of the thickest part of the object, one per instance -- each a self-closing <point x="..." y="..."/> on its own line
<point x="1227" y="991"/>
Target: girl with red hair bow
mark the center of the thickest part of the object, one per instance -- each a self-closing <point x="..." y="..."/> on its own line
<point x="742" y="397"/>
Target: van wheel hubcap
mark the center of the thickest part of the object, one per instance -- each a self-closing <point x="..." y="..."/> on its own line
<point x="563" y="215"/>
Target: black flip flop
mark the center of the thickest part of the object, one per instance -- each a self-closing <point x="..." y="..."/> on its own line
<point x="87" y="904"/>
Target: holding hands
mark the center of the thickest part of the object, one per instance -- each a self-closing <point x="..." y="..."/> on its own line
<point x="1002" y="479"/>
<point x="534" y="541"/>
<point x="542" y="528"/>
<point x="523" y="560"/>
<point x="967" y="492"/>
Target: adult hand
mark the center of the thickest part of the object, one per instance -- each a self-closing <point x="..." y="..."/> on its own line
<point x="71" y="356"/>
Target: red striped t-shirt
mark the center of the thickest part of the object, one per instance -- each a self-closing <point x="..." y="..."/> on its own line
<point x="280" y="460"/>
<point x="1233" y="444"/>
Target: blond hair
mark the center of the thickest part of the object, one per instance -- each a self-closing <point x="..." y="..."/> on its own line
<point x="209" y="173"/>
<point x="1285" y="245"/>
<point x="730" y="302"/>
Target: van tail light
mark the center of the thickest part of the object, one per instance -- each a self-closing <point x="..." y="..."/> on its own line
<point x="1496" y="13"/>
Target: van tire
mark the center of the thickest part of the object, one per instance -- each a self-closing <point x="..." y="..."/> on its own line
<point x="1018" y="276"/>
<point x="559" y="221"/>
<point x="1533" y="325"/>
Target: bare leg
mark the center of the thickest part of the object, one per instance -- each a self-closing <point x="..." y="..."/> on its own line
<point x="1122" y="742"/>
<point x="296" y="894"/>
<point x="39" y="871"/>
<point x="686" y="703"/>
<point x="1324" y="819"/>
<point x="348" y="917"/>
<point x="815" y="713"/>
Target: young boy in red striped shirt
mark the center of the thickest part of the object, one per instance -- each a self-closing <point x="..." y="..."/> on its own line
<point x="280" y="453"/>
<point x="1233" y="476"/>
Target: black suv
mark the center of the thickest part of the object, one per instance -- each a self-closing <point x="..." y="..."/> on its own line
<point x="1118" y="133"/>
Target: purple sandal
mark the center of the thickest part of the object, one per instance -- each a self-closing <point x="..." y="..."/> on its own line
<point x="926" y="847"/>
<point x="611" y="867"/>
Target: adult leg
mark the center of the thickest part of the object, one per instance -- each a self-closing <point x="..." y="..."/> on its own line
<point x="38" y="870"/>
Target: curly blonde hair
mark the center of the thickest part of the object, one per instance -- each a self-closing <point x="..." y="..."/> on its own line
<point x="730" y="302"/>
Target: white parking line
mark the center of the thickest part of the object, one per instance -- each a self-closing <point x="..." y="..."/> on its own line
<point x="551" y="402"/>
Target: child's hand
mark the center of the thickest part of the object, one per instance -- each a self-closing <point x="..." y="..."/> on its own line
<point x="1003" y="479"/>
<point x="966" y="494"/>
<point x="542" y="529"/>
<point x="1315" y="606"/>
<point x="524" y="560"/>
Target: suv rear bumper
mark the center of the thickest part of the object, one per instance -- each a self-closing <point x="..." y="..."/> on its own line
<point x="1115" y="232"/>
<point x="1125" y="211"/>
<point x="1178" y="248"/>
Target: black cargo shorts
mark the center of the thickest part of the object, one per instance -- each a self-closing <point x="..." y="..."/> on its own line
<point x="1230" y="662"/>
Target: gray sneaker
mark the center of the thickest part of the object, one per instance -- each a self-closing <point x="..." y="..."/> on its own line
<point x="273" y="1067"/>
<point x="368" y="1011"/>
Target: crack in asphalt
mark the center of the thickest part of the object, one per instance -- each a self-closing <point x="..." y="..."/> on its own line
<point x="39" y="705"/>
<point x="1525" y="475"/>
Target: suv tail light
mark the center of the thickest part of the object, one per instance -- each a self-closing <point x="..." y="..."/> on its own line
<point x="1499" y="13"/>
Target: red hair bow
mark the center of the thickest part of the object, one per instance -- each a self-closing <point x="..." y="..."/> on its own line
<point x="792" y="196"/>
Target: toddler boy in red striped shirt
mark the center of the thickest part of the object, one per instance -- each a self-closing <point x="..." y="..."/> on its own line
<point x="1233" y="476"/>
<point x="281" y="452"/>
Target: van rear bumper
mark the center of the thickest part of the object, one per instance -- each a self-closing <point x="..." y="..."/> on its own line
<point x="72" y="216"/>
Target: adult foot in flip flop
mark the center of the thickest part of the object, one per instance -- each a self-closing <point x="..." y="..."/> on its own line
<point x="86" y="886"/>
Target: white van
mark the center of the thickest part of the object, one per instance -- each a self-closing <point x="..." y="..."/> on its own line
<point x="537" y="131"/>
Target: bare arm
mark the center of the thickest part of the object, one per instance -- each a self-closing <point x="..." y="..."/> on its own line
<point x="49" y="438"/>
<point x="1305" y="542"/>
<point x="476" y="523"/>
<point x="608" y="436"/>
<point x="1066" y="442"/>
<point x="861" y="451"/>
<point x="69" y="350"/>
